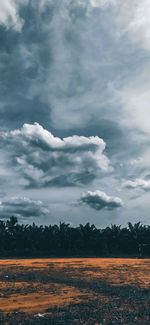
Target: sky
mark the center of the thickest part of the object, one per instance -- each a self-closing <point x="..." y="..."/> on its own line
<point x="75" y="111"/>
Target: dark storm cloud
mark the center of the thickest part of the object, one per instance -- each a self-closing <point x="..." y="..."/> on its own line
<point x="23" y="62"/>
<point x="60" y="66"/>
<point x="22" y="207"/>
<point x="61" y="61"/>
<point x="44" y="160"/>
<point x="106" y="129"/>
<point x="99" y="200"/>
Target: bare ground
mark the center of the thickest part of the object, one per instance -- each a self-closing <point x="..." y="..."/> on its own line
<point x="75" y="291"/>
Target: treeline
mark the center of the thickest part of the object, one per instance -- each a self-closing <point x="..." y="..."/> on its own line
<point x="19" y="240"/>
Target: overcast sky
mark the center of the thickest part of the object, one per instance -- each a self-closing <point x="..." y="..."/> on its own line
<point x="75" y="111"/>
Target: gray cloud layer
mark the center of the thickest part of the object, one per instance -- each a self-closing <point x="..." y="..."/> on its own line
<point x="99" y="200"/>
<point x="22" y="207"/>
<point x="97" y="63"/>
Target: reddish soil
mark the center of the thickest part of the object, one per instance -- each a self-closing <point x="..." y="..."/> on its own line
<point x="78" y="290"/>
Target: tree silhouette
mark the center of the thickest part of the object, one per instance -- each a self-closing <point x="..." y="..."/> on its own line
<point x="63" y="240"/>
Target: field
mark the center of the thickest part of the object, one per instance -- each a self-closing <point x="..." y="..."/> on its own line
<point x="75" y="291"/>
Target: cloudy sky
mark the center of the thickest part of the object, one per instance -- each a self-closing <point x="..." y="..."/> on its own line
<point x="75" y="111"/>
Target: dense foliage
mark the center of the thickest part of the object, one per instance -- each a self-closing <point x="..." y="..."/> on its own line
<point x="63" y="240"/>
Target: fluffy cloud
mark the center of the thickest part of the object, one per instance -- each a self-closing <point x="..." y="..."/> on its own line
<point x="45" y="160"/>
<point x="99" y="200"/>
<point x="22" y="207"/>
<point x="9" y="14"/>
<point x="138" y="184"/>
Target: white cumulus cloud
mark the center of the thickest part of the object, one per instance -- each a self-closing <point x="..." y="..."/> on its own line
<point x="45" y="160"/>
<point x="99" y="200"/>
<point x="138" y="184"/>
<point x="9" y="14"/>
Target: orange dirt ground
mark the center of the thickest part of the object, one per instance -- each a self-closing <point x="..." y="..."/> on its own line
<point x="33" y="286"/>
